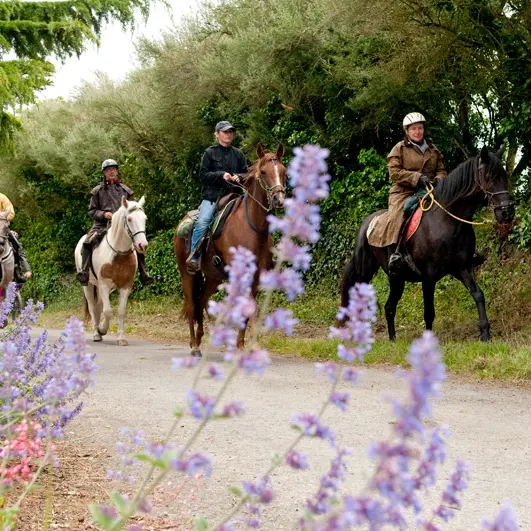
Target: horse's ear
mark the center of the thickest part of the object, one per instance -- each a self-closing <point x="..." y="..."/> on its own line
<point x="142" y="201"/>
<point x="500" y="151"/>
<point x="484" y="154"/>
<point x="280" y="151"/>
<point x="124" y="201"/>
<point x="260" y="150"/>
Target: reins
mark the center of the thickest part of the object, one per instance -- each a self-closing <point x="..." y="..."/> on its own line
<point x="488" y="195"/>
<point x="424" y="208"/>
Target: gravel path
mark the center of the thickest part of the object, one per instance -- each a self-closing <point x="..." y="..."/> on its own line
<point x="136" y="387"/>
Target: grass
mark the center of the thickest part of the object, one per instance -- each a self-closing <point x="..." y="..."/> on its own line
<point x="507" y="357"/>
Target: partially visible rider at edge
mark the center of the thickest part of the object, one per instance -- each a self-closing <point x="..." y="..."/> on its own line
<point x="413" y="163"/>
<point x="221" y="165"/>
<point x="105" y="200"/>
<point x="22" y="267"/>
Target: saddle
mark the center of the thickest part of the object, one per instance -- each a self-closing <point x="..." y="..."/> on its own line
<point x="225" y="205"/>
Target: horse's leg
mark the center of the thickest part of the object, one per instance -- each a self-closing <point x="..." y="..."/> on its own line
<point x="251" y="322"/>
<point x="209" y="288"/>
<point x="122" y="305"/>
<point x="466" y="276"/>
<point x="428" y="292"/>
<point x="93" y="311"/>
<point x="104" y="294"/>
<point x="396" y="286"/>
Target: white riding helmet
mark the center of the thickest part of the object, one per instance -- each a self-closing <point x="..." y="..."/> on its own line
<point x="109" y="163"/>
<point x="413" y="118"/>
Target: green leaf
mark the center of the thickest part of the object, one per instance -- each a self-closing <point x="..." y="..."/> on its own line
<point x="201" y="524"/>
<point x="236" y="491"/>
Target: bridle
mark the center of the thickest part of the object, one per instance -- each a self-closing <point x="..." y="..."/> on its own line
<point x="270" y="190"/>
<point x="129" y="233"/>
<point x="490" y="195"/>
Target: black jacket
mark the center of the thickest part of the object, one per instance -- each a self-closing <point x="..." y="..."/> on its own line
<point x="106" y="198"/>
<point x="218" y="160"/>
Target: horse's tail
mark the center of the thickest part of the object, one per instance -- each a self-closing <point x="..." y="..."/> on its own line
<point x="86" y="312"/>
<point x="362" y="266"/>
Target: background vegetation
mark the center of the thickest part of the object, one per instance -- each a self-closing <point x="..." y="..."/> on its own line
<point x="341" y="73"/>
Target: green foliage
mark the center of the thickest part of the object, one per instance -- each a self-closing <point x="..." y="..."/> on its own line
<point x="33" y="31"/>
<point x="340" y="74"/>
<point x="160" y="260"/>
<point x="352" y="198"/>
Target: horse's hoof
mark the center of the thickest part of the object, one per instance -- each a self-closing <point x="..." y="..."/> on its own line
<point x="102" y="332"/>
<point x="122" y="343"/>
<point x="196" y="353"/>
<point x="96" y="337"/>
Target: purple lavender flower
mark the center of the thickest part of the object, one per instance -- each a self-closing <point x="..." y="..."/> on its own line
<point x="193" y="464"/>
<point x="233" y="409"/>
<point x="340" y="400"/>
<point x="201" y="406"/>
<point x="260" y="490"/>
<point x="428" y="372"/>
<point x="188" y="362"/>
<point x="239" y="305"/>
<point x="215" y="371"/>
<point x="297" y="460"/>
<point x="351" y="375"/>
<point x="310" y="425"/>
<point x="281" y="319"/>
<point x="329" y="368"/>
<point x="255" y="361"/>
<point x="504" y="521"/>
<point x="359" y="315"/>
<point x="330" y="483"/>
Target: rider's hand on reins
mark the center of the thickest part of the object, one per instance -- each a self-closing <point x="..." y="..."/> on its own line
<point x="107" y="215"/>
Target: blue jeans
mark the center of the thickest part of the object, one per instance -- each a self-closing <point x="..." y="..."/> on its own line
<point x="206" y="213"/>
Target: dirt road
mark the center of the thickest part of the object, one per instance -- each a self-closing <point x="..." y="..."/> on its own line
<point x="136" y="387"/>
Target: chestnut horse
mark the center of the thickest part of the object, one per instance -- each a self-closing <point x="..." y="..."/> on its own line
<point x="247" y="225"/>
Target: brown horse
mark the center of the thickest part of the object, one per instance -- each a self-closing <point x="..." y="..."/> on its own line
<point x="247" y="225"/>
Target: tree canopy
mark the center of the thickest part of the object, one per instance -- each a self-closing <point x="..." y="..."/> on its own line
<point x="31" y="32"/>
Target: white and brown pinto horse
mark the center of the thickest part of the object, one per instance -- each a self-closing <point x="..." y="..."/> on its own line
<point x="7" y="257"/>
<point x="114" y="264"/>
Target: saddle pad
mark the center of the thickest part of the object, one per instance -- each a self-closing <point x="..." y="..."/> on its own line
<point x="414" y="223"/>
<point x="219" y="221"/>
<point x="187" y="223"/>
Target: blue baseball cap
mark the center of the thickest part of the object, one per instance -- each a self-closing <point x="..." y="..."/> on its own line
<point x="224" y="126"/>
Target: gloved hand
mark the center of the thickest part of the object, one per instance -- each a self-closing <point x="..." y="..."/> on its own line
<point x="424" y="180"/>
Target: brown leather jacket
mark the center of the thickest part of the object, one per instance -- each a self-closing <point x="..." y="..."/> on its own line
<point x="106" y="198"/>
<point x="406" y="164"/>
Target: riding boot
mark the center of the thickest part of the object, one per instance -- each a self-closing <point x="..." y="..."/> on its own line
<point x="83" y="275"/>
<point x="145" y="278"/>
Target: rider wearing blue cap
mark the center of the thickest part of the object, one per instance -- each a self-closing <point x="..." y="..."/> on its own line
<point x="222" y="164"/>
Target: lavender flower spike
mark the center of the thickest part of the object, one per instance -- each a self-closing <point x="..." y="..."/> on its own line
<point x="505" y="520"/>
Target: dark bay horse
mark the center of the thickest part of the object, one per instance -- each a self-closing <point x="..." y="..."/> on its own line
<point x="442" y="245"/>
<point x="247" y="225"/>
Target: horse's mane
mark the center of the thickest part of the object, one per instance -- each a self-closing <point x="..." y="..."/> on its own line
<point x="462" y="182"/>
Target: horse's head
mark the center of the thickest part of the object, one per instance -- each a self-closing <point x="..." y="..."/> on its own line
<point x="271" y="175"/>
<point x="135" y="223"/>
<point x="492" y="180"/>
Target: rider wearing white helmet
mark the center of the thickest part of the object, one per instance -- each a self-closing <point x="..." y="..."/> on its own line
<point x="413" y="163"/>
<point x="105" y="200"/>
